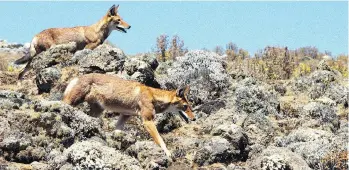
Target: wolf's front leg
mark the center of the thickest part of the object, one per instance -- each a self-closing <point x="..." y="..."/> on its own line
<point x="151" y="128"/>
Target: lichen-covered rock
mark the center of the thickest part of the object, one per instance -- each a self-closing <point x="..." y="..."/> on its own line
<point x="167" y="122"/>
<point x="211" y="106"/>
<point x="203" y="71"/>
<point x="57" y="55"/>
<point x="46" y="78"/>
<point x="321" y="83"/>
<point x="236" y="137"/>
<point x="314" y="145"/>
<point x="121" y="140"/>
<point x="253" y="98"/>
<point x="277" y="158"/>
<point x="41" y="127"/>
<point x="40" y="166"/>
<point x="132" y="64"/>
<point x="149" y="154"/>
<point x="93" y="154"/>
<point x="11" y="99"/>
<point x="141" y="68"/>
<point x="260" y="132"/>
<point x="338" y="93"/>
<point x="215" y="150"/>
<point x="325" y="114"/>
<point x="102" y="59"/>
<point x="303" y="135"/>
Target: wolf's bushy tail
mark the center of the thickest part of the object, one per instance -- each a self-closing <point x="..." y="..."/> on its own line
<point x="23" y="59"/>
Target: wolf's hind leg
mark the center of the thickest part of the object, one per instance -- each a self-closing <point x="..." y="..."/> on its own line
<point x="121" y="121"/>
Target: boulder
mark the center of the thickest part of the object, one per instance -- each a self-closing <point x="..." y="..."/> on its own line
<point x="150" y="155"/>
<point x="141" y="68"/>
<point x="314" y="145"/>
<point x="121" y="140"/>
<point x="56" y="55"/>
<point x="324" y="114"/>
<point x="203" y="71"/>
<point x="94" y="154"/>
<point x="167" y="122"/>
<point x="252" y="97"/>
<point x="11" y="99"/>
<point x="215" y="150"/>
<point x="277" y="158"/>
<point x="235" y="136"/>
<point x="102" y="59"/>
<point x="46" y="78"/>
<point x="260" y="132"/>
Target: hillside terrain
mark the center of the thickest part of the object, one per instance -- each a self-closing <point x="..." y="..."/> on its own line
<point x="243" y="121"/>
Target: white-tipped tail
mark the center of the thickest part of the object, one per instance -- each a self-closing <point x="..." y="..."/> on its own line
<point x="70" y="86"/>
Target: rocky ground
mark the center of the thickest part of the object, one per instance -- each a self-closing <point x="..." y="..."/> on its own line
<point x="243" y="123"/>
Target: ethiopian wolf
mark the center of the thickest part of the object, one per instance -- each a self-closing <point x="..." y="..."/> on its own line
<point x="129" y="98"/>
<point x="85" y="36"/>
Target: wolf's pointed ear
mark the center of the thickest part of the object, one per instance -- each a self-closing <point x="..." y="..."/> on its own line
<point x="112" y="10"/>
<point x="182" y="91"/>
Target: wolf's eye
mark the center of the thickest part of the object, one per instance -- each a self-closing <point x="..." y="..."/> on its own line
<point x="185" y="107"/>
<point x="118" y="19"/>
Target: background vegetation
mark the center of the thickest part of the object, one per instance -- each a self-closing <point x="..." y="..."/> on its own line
<point x="270" y="63"/>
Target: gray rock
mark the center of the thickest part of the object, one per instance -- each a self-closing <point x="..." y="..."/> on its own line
<point x="167" y="122"/>
<point x="236" y="137"/>
<point x="149" y="154"/>
<point x="132" y="64"/>
<point x="320" y="83"/>
<point x="121" y="140"/>
<point x="211" y="106"/>
<point x="338" y="93"/>
<point x="31" y="154"/>
<point x="235" y="167"/>
<point x="303" y="135"/>
<point x="46" y="78"/>
<point x="324" y="113"/>
<point x="141" y="68"/>
<point x="40" y="166"/>
<point x="11" y="99"/>
<point x="93" y="154"/>
<point x="253" y="98"/>
<point x="217" y="149"/>
<point x="102" y="59"/>
<point x="277" y="158"/>
<point x="314" y="145"/>
<point x="203" y="71"/>
<point x="163" y="67"/>
<point x="57" y="55"/>
<point x="260" y="132"/>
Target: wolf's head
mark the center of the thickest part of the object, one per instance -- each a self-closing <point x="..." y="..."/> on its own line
<point x="182" y="105"/>
<point x="115" y="22"/>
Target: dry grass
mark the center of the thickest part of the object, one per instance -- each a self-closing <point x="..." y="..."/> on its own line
<point x="6" y="58"/>
<point x="337" y="161"/>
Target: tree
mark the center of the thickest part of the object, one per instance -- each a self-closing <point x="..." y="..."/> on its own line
<point x="233" y="47"/>
<point x="161" y="46"/>
<point x="218" y="50"/>
<point x="231" y="51"/>
<point x="308" y="51"/>
<point x="177" y="47"/>
<point x="287" y="64"/>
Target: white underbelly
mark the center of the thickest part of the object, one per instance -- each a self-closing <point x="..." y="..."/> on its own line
<point x="121" y="110"/>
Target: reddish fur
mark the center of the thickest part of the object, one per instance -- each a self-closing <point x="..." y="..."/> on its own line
<point x="84" y="36"/>
<point x="129" y="98"/>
